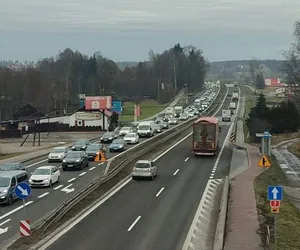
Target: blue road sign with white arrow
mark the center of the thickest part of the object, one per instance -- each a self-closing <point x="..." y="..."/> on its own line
<point x="22" y="190"/>
<point x="275" y="193"/>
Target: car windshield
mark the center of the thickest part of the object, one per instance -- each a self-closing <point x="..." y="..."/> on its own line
<point x="80" y="143"/>
<point x="125" y="128"/>
<point x="144" y="127"/>
<point x="42" y="171"/>
<point x="142" y="165"/>
<point x="130" y="135"/>
<point x="74" y="155"/>
<point x="172" y="119"/>
<point x="118" y="141"/>
<point x="108" y="135"/>
<point x="58" y="150"/>
<point x="4" y="181"/>
<point x="93" y="147"/>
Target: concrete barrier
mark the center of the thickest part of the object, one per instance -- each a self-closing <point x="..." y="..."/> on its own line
<point x="221" y="224"/>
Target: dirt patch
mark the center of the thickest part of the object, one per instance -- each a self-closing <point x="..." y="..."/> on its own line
<point x="295" y="149"/>
<point x="288" y="220"/>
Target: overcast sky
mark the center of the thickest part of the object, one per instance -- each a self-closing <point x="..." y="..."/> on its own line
<point x="127" y="29"/>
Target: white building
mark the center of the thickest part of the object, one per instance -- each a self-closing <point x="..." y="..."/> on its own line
<point x="82" y="118"/>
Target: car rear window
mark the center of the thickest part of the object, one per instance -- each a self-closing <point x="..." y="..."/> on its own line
<point x="142" y="165"/>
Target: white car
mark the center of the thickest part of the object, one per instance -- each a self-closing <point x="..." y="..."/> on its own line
<point x="131" y="138"/>
<point x="58" y="154"/>
<point x="144" y="169"/>
<point x="125" y="130"/>
<point x="44" y="176"/>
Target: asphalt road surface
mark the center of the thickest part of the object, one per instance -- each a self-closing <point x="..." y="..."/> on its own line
<point x="44" y="200"/>
<point x="150" y="214"/>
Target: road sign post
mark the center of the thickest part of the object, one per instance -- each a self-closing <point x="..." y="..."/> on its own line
<point x="23" y="191"/>
<point x="265" y="142"/>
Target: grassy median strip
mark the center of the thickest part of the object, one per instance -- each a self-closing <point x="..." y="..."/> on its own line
<point x="288" y="220"/>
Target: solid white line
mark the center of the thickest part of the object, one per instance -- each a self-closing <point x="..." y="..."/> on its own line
<point x="58" y="187"/>
<point x="36" y="163"/>
<point x="15" y="210"/>
<point x="92" y="168"/>
<point x="80" y="218"/>
<point x="134" y="223"/>
<point x="82" y="174"/>
<point x="73" y="179"/>
<point x="159" y="192"/>
<point x="187" y="159"/>
<point x="4" y="222"/>
<point x="176" y="172"/>
<point x="43" y="195"/>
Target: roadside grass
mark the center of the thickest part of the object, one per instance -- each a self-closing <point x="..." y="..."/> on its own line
<point x="295" y="149"/>
<point x="148" y="109"/>
<point x="277" y="138"/>
<point x="7" y="156"/>
<point x="288" y="220"/>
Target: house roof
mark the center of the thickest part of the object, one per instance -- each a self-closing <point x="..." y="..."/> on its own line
<point x="28" y="111"/>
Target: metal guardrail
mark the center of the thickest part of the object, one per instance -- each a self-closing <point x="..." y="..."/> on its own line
<point x="120" y="162"/>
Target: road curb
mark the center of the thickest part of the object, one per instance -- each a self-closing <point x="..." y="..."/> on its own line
<point x="221" y="224"/>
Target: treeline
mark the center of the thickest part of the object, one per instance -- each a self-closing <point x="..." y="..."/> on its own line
<point x="53" y="84"/>
<point x="283" y="118"/>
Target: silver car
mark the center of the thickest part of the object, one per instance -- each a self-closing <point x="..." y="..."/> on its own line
<point x="144" y="169"/>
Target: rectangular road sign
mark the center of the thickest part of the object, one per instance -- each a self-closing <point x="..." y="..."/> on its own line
<point x="264" y="162"/>
<point x="98" y="102"/>
<point x="117" y="106"/>
<point x="274" y="203"/>
<point x="275" y="193"/>
<point x="275" y="210"/>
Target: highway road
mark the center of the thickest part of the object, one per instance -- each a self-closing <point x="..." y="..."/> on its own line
<point x="150" y="214"/>
<point x="44" y="200"/>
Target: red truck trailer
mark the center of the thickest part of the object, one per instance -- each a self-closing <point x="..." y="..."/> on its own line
<point x="206" y="136"/>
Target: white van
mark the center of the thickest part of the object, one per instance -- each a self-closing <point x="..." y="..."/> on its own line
<point x="146" y="129"/>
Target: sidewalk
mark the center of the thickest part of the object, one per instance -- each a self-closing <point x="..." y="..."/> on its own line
<point x="242" y="218"/>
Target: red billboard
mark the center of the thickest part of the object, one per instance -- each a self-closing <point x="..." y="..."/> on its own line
<point x="98" y="102"/>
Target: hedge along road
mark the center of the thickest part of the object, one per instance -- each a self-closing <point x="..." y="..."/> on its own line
<point x="44" y="200"/>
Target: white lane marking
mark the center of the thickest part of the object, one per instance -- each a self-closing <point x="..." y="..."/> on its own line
<point x="134" y="223"/>
<point x="112" y="193"/>
<point x="43" y="195"/>
<point x="15" y="210"/>
<point x="101" y="163"/>
<point x="159" y="192"/>
<point x="187" y="159"/>
<point x="60" y="167"/>
<point x="58" y="187"/>
<point x="73" y="179"/>
<point x="80" y="218"/>
<point x="2" y="223"/>
<point x="36" y="163"/>
<point x="175" y="173"/>
<point x="92" y="168"/>
<point x="82" y="174"/>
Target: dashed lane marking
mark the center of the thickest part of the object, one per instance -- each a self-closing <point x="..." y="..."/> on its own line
<point x="43" y="195"/>
<point x="186" y="159"/>
<point x="73" y="179"/>
<point x="58" y="187"/>
<point x="134" y="223"/>
<point x="92" y="168"/>
<point x="2" y="223"/>
<point x="15" y="210"/>
<point x="198" y="232"/>
<point x="82" y="174"/>
<point x="160" y="191"/>
<point x="176" y="172"/>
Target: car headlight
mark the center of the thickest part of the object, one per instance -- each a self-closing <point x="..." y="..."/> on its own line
<point x="110" y="138"/>
<point x="101" y="138"/>
<point x="4" y="191"/>
<point x="47" y="180"/>
<point x="77" y="160"/>
<point x="64" y="160"/>
<point x="120" y="146"/>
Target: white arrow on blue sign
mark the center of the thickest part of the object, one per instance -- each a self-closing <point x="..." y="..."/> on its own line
<point x="22" y="190"/>
<point x="275" y="193"/>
